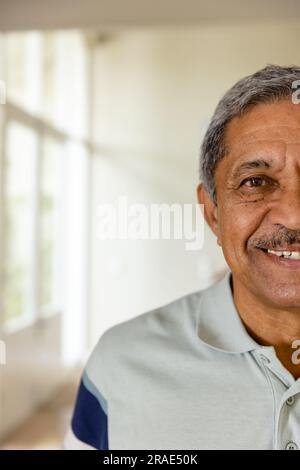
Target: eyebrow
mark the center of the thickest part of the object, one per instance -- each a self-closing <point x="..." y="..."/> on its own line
<point x="258" y="163"/>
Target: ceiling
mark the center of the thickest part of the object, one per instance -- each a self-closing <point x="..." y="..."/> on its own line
<point x="45" y="14"/>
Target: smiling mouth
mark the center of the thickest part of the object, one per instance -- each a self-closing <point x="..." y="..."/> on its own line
<point x="284" y="258"/>
<point x="295" y="255"/>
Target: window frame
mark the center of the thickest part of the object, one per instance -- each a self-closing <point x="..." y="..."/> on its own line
<point x="43" y="130"/>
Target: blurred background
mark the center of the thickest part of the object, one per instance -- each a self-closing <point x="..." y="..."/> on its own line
<point x="104" y="99"/>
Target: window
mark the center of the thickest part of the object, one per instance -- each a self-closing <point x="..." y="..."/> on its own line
<point x="23" y="53"/>
<point x="21" y="153"/>
<point x="51" y="223"/>
<point x="65" y="81"/>
<point x="45" y="115"/>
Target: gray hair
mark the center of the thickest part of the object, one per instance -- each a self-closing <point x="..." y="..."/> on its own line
<point x="268" y="85"/>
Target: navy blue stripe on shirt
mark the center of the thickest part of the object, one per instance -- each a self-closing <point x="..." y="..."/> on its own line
<point x="89" y="422"/>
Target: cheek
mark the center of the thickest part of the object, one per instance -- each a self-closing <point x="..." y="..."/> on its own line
<point x="237" y="223"/>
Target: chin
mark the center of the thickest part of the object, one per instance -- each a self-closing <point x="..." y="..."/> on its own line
<point x="281" y="295"/>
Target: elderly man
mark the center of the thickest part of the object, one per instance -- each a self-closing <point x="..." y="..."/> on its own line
<point x="218" y="368"/>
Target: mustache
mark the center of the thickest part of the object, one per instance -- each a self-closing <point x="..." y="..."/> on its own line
<point x="277" y="240"/>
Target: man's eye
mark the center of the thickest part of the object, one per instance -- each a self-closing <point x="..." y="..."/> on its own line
<point x="254" y="182"/>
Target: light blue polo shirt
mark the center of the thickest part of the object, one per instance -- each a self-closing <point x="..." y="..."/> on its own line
<point x="186" y="375"/>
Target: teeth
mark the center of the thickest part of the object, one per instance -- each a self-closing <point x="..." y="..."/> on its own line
<point x="286" y="254"/>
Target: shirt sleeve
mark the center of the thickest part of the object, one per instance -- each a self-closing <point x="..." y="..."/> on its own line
<point x="88" y="428"/>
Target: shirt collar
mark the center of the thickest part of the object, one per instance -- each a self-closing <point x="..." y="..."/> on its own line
<point x="219" y="324"/>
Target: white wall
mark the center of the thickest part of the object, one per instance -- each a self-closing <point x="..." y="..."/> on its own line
<point x="155" y="90"/>
<point x="33" y="371"/>
<point x="1" y="241"/>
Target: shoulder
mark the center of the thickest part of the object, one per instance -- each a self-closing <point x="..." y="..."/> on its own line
<point x="158" y="321"/>
<point x="142" y="335"/>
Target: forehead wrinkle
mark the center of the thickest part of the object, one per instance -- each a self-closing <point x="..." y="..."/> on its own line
<point x="267" y="150"/>
<point x="269" y="126"/>
<point x="278" y="149"/>
<point x="263" y="160"/>
<point x="253" y="135"/>
<point x="259" y="159"/>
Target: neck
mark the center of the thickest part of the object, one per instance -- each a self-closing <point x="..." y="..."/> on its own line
<point x="269" y="326"/>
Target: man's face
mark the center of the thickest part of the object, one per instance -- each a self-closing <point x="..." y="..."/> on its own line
<point x="258" y="202"/>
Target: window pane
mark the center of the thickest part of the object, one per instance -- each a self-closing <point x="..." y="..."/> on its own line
<point x="2" y="76"/>
<point x="65" y="87"/>
<point x="24" y="69"/>
<point x="50" y="223"/>
<point x="53" y="73"/>
<point x="46" y="74"/>
<point x="21" y="148"/>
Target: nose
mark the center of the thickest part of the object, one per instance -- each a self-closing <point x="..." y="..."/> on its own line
<point x="286" y="210"/>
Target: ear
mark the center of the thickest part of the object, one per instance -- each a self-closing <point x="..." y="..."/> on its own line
<point x="210" y="210"/>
